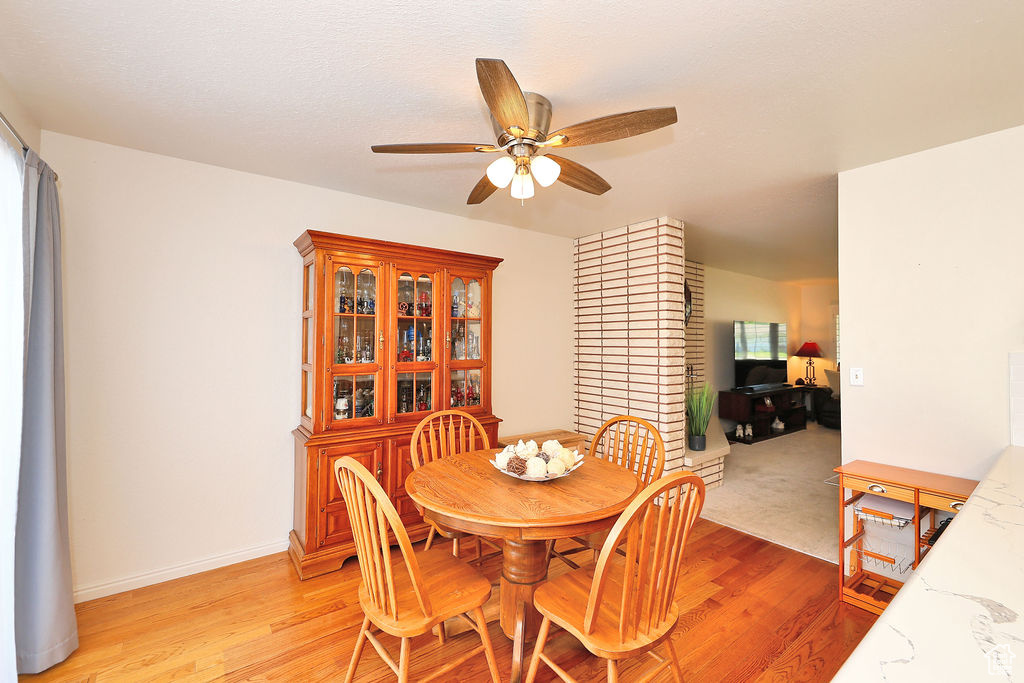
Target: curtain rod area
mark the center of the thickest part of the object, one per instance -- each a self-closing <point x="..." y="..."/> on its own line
<point x="14" y="132"/>
<point x="24" y="145"/>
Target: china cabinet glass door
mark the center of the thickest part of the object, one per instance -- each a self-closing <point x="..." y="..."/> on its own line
<point x="414" y="357"/>
<point x="465" y="341"/>
<point x="308" y="339"/>
<point x="356" y="342"/>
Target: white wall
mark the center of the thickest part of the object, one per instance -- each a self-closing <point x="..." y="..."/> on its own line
<point x="819" y="301"/>
<point x="19" y="117"/>
<point x="730" y="296"/>
<point x="930" y="256"/>
<point x="182" y="296"/>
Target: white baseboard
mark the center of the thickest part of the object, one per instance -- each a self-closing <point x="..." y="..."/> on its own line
<point x="103" y="589"/>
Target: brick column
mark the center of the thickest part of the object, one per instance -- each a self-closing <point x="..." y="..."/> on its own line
<point x="630" y="349"/>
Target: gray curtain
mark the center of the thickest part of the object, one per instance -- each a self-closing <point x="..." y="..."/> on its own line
<point x="44" y="610"/>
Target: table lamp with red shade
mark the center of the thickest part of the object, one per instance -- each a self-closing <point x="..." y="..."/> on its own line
<point x="810" y="351"/>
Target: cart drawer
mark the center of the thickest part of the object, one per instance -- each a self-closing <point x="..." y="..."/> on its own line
<point x="879" y="488"/>
<point x="947" y="503"/>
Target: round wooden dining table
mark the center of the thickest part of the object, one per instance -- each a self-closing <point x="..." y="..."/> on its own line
<point x="465" y="492"/>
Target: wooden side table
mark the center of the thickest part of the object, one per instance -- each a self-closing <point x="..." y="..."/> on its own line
<point x="927" y="491"/>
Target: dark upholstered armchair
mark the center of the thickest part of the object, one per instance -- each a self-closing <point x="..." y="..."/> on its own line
<point x="826" y="408"/>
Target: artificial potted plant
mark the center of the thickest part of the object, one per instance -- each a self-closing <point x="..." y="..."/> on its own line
<point x="699" y="404"/>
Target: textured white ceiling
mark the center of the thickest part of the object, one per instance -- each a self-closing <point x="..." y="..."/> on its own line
<point x="774" y="98"/>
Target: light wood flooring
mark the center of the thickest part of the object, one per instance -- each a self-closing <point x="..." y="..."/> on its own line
<point x="750" y="610"/>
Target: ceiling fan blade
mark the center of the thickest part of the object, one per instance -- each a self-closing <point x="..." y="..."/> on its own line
<point x="616" y="126"/>
<point x="428" y="148"/>
<point x="503" y="95"/>
<point x="483" y="189"/>
<point x="579" y="176"/>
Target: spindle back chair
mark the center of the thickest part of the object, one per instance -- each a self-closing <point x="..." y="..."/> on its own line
<point x="442" y="434"/>
<point x="629" y="442"/>
<point x="628" y="608"/>
<point x="445" y="433"/>
<point x="633" y="443"/>
<point x="402" y="592"/>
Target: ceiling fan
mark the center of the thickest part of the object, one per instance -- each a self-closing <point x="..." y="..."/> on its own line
<point x="521" y="120"/>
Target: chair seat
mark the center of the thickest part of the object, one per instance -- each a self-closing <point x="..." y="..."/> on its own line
<point x="451" y="585"/>
<point x="563" y="599"/>
<point x="446" y="532"/>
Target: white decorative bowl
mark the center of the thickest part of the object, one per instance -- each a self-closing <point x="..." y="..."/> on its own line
<point x="546" y="477"/>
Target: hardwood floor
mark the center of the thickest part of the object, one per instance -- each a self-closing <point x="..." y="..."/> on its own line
<point x="750" y="611"/>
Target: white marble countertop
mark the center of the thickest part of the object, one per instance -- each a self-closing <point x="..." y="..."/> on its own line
<point x="960" y="615"/>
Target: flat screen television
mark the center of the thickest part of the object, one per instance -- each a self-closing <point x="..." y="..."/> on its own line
<point x="759" y="352"/>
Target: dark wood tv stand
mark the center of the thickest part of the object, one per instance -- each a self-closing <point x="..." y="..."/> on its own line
<point x="750" y="407"/>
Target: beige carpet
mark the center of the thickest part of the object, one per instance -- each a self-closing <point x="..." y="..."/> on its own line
<point x="774" y="490"/>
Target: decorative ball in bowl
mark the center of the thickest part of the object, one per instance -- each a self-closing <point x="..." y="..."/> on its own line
<point x="537" y="463"/>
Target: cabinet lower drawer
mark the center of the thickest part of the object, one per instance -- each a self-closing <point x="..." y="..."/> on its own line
<point x="938" y="502"/>
<point x="879" y="489"/>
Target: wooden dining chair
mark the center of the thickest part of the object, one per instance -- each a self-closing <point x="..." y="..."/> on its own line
<point x="628" y="608"/>
<point x="630" y="442"/>
<point x="439" y="435"/>
<point x="405" y="593"/>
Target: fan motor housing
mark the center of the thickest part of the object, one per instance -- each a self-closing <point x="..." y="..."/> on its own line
<point x="539" y="108"/>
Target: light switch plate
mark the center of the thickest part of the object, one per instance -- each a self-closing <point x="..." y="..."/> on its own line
<point x="856" y="377"/>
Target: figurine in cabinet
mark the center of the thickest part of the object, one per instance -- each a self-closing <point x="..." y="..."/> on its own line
<point x="423" y="352"/>
<point x="472" y="306"/>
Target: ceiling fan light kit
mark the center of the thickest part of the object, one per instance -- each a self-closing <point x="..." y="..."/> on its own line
<point x="522" y="186"/>
<point x="545" y="170"/>
<point x="501" y="170"/>
<point x="521" y="122"/>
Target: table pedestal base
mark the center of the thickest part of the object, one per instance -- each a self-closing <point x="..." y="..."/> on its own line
<point x="524" y="566"/>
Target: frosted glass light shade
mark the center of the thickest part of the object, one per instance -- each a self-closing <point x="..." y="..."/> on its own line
<point x="522" y="186"/>
<point x="501" y="170"/>
<point x="545" y="170"/>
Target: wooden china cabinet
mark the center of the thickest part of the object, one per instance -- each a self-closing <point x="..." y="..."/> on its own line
<point x="390" y="332"/>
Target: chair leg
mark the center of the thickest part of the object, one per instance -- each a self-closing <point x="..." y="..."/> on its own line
<point x="455" y="547"/>
<point x="613" y="672"/>
<point x="485" y="638"/>
<point x="542" y="636"/>
<point x="677" y="672"/>
<point x="358" y="651"/>
<point x="403" y="662"/>
<point x="430" y="538"/>
<point x="479" y="550"/>
<point x="441" y="634"/>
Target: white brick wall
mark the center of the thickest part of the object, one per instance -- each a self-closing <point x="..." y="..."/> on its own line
<point x="695" y="346"/>
<point x="629" y="357"/>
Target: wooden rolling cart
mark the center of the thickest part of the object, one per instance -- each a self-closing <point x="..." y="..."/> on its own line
<point x="390" y="333"/>
<point x="927" y="492"/>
